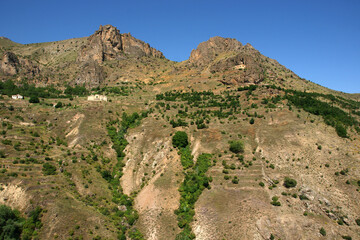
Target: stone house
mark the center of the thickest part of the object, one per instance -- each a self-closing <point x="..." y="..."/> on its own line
<point x="97" y="97"/>
<point x="17" y="96"/>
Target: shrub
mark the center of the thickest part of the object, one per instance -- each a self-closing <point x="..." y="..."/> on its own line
<point x="59" y="105"/>
<point x="289" y="182"/>
<point x="347" y="237"/>
<point x="180" y="139"/>
<point x="322" y="231"/>
<point x="262" y="184"/>
<point x="49" y="169"/>
<point x="10" y="223"/>
<point x="252" y="121"/>
<point x="186" y="158"/>
<point x="358" y="221"/>
<point x="34" y="100"/>
<point x="275" y="201"/>
<point x="341" y="130"/>
<point x="303" y="197"/>
<point x="237" y="146"/>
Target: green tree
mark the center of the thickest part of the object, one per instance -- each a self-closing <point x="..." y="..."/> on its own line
<point x="341" y="130"/>
<point x="49" y="169"/>
<point x="237" y="146"/>
<point x="10" y="223"/>
<point x="289" y="182"/>
<point x="180" y="139"/>
<point x="59" y="105"/>
<point x="34" y="100"/>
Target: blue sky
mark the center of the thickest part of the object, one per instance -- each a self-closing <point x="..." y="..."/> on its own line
<point x="319" y="40"/>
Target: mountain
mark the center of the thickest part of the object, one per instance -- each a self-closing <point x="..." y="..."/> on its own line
<point x="228" y="144"/>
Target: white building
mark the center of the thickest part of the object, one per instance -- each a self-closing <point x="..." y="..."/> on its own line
<point x="240" y="66"/>
<point x="17" y="96"/>
<point x="97" y="97"/>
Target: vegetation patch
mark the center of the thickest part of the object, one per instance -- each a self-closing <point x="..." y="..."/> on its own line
<point x="13" y="226"/>
<point x="237" y="146"/>
<point x="331" y="114"/>
<point x="191" y="188"/>
<point x="289" y="182"/>
<point x="117" y="135"/>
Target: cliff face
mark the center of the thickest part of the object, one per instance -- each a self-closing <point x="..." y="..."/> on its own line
<point x="11" y="64"/>
<point x="108" y="44"/>
<point x="136" y="47"/>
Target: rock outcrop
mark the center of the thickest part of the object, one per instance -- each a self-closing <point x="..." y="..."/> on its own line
<point x="136" y="47"/>
<point x="209" y="50"/>
<point x="241" y="62"/>
<point x="91" y="74"/>
<point x="108" y="44"/>
<point x="12" y="64"/>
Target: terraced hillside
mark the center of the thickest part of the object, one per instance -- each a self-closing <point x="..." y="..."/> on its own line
<point x="226" y="145"/>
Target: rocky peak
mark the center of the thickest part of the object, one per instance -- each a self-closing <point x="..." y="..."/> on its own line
<point x="207" y="51"/>
<point x="108" y="44"/>
<point x="103" y="45"/>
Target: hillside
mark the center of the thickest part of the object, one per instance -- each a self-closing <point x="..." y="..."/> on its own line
<point x="228" y="144"/>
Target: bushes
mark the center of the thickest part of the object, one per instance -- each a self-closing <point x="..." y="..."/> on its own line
<point x="186" y="158"/>
<point x="12" y="226"/>
<point x="357" y="221"/>
<point x="31" y="224"/>
<point x="275" y="201"/>
<point x="117" y="136"/>
<point x="341" y="130"/>
<point x="180" y="139"/>
<point x="322" y="231"/>
<point x="49" y="169"/>
<point x="77" y="90"/>
<point x="34" y="100"/>
<point x="289" y="182"/>
<point x="237" y="146"/>
<point x="59" y="105"/>
<point x="194" y="183"/>
<point x="178" y="123"/>
<point x="10" y="223"/>
<point x="332" y="116"/>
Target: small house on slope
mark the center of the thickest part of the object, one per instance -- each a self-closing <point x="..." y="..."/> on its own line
<point x="17" y="96"/>
<point x="97" y="97"/>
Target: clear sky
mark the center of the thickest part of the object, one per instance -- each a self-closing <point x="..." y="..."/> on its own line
<point x="318" y="39"/>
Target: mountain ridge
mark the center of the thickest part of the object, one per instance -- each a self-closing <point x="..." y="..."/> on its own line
<point x="81" y="50"/>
